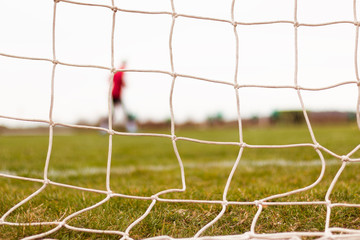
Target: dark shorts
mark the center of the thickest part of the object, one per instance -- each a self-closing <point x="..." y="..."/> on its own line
<point x="116" y="101"/>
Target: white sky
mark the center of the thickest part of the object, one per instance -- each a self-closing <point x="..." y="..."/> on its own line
<point x="201" y="48"/>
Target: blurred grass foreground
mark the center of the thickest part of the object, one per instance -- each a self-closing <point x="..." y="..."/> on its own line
<point x="145" y="165"/>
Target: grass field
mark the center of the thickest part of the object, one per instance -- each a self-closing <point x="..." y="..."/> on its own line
<point x="143" y="166"/>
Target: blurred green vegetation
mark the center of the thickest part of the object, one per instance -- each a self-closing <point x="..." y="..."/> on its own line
<point x="144" y="165"/>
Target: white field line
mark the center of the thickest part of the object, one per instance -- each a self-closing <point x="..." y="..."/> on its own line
<point x="87" y="171"/>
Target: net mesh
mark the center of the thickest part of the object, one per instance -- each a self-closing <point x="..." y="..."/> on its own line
<point x="329" y="232"/>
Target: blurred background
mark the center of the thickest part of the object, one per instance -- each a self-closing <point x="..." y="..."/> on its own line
<point x="201" y="48"/>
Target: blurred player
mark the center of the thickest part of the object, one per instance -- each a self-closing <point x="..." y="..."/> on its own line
<point x="116" y="95"/>
<point x="118" y="84"/>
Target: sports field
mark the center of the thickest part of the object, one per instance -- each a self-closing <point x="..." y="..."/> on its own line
<point x="143" y="166"/>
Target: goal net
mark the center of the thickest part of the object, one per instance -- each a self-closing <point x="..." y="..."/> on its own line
<point x="236" y="84"/>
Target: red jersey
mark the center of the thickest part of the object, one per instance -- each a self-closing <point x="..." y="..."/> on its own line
<point x="118" y="83"/>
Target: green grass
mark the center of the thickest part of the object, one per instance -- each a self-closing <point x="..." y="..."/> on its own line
<point x="143" y="166"/>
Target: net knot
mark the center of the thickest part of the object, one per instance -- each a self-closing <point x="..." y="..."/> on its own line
<point x="175" y="15"/>
<point x="328" y="235"/>
<point x="247" y="235"/>
<point x="316" y="146"/>
<point x="57" y="1"/>
<point x="297" y="87"/>
<point x="328" y="203"/>
<point x="225" y="203"/>
<point x="296" y="24"/>
<point x="173" y="137"/>
<point x="258" y="203"/>
<point x="358" y="83"/>
<point x="154" y="197"/>
<point x="111" y="132"/>
<point x="113" y="70"/>
<point x="174" y="75"/>
<point x="356" y="23"/>
<point x="234" y="23"/>
<point x="110" y="193"/>
<point x="345" y="158"/>
<point x="46" y="181"/>
<point x="52" y="123"/>
<point x="236" y="86"/>
<point x="243" y="145"/>
<point x="126" y="236"/>
<point x="114" y="9"/>
<point x="55" y="62"/>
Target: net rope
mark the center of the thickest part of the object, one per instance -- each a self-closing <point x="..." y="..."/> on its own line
<point x="328" y="233"/>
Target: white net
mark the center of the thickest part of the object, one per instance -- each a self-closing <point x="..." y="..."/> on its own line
<point x="328" y="233"/>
